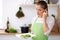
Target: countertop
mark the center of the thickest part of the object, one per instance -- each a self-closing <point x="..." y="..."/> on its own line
<point x="2" y="32"/>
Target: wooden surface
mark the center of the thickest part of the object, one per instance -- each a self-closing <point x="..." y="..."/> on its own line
<point x="2" y="32"/>
<point x="56" y="29"/>
<point x="58" y="16"/>
<point x="54" y="33"/>
<point x="59" y="29"/>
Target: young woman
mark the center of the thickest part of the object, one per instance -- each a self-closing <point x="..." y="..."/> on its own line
<point x="43" y="23"/>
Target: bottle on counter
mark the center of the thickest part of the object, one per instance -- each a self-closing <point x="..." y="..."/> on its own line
<point x="7" y="23"/>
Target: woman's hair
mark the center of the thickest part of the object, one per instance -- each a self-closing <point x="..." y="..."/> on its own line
<point x="43" y="4"/>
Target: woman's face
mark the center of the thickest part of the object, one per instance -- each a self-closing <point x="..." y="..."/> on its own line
<point x="40" y="10"/>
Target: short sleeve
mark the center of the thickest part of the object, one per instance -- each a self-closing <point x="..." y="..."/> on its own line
<point x="50" y="22"/>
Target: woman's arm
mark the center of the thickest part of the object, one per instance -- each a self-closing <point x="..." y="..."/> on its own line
<point x="50" y="22"/>
<point x="45" y="26"/>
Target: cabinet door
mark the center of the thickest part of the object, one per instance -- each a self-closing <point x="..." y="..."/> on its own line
<point x="58" y="16"/>
<point x="55" y="27"/>
<point x="59" y="29"/>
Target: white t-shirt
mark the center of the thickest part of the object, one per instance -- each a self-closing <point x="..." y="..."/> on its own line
<point x="50" y="22"/>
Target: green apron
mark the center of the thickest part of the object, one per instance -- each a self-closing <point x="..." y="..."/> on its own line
<point x="37" y="29"/>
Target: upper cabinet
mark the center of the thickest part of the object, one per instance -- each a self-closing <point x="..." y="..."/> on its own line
<point x="58" y="16"/>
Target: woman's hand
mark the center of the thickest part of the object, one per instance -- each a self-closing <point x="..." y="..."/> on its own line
<point x="45" y="14"/>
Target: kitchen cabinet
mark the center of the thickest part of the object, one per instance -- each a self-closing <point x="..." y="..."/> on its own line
<point x="55" y="29"/>
<point x="58" y="17"/>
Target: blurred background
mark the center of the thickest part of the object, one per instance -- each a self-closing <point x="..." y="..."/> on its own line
<point x="11" y="7"/>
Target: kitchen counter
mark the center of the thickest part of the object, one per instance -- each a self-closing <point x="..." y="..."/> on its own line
<point x="54" y="33"/>
<point x="2" y="32"/>
<point x="12" y="36"/>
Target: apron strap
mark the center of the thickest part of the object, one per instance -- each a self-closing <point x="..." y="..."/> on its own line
<point x="35" y="19"/>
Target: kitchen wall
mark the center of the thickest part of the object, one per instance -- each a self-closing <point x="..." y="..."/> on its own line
<point x="10" y="8"/>
<point x="1" y="14"/>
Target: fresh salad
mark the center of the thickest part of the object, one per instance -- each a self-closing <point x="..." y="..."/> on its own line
<point x="25" y="36"/>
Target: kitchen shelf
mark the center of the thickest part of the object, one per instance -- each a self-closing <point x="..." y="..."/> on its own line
<point x="53" y="4"/>
<point x="30" y="5"/>
<point x="25" y="5"/>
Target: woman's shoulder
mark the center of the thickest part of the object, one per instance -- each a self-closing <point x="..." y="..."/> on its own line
<point x="50" y="19"/>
